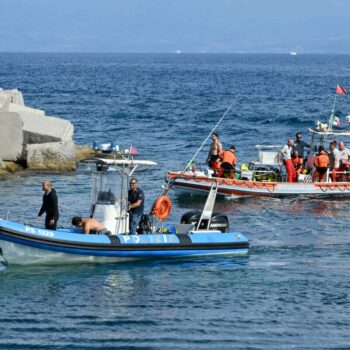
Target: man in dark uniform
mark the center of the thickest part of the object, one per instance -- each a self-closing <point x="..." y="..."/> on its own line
<point x="50" y="206"/>
<point x="136" y="200"/>
<point x="300" y="145"/>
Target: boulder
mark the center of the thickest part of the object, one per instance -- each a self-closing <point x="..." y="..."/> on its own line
<point x="51" y="155"/>
<point x="19" y="108"/>
<point x="5" y="101"/>
<point x="8" y="97"/>
<point x="43" y="129"/>
<point x="11" y="136"/>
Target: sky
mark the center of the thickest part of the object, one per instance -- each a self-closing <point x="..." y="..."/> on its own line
<point x="192" y="26"/>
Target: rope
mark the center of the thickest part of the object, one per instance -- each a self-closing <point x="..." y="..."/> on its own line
<point x="212" y="130"/>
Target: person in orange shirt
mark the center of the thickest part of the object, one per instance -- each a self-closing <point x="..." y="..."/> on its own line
<point x="228" y="163"/>
<point x="298" y="162"/>
<point x="321" y="163"/>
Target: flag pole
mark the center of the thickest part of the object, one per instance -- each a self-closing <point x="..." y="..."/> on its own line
<point x="331" y="117"/>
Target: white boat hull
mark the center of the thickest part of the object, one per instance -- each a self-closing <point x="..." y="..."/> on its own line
<point x="234" y="188"/>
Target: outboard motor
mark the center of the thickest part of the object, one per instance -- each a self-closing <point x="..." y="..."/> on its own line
<point x="218" y="221"/>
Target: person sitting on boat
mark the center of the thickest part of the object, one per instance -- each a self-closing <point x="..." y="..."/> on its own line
<point x="49" y="206"/>
<point x="286" y="157"/>
<point x="298" y="163"/>
<point x="90" y="226"/>
<point x="321" y="164"/>
<point x="300" y="145"/>
<point x="214" y="151"/>
<point x="334" y="161"/>
<point x="229" y="161"/>
<point x="136" y="200"/>
<point x="344" y="155"/>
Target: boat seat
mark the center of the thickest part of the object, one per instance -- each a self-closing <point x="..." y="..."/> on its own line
<point x="106" y="197"/>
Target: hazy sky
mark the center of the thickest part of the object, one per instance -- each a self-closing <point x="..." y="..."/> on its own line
<point x="276" y="26"/>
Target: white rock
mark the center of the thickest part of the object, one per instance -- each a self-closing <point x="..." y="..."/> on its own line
<point x="10" y="96"/>
<point x="43" y="129"/>
<point x="40" y="155"/>
<point x="11" y="136"/>
<point x="18" y="108"/>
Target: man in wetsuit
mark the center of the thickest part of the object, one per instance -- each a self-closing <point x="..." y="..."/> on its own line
<point x="90" y="226"/>
<point x="50" y="206"/>
<point x="214" y="151"/>
<point x="136" y="200"/>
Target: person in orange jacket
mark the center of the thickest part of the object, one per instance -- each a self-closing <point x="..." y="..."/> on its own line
<point x="298" y="162"/>
<point x="321" y="163"/>
<point x="228" y="163"/>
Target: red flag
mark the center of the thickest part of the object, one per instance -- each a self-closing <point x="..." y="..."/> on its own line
<point x="340" y="90"/>
<point x="133" y="151"/>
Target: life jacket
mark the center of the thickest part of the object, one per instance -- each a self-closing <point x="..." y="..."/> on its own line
<point x="322" y="161"/>
<point x="228" y="157"/>
<point x="297" y="162"/>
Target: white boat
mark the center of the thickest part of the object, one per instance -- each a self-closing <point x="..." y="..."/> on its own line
<point x="115" y="164"/>
<point x="265" y="177"/>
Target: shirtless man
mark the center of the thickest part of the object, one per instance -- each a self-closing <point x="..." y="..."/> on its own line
<point x="215" y="149"/>
<point x="89" y="225"/>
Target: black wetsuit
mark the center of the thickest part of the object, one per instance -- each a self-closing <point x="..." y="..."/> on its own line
<point x="50" y="206"/>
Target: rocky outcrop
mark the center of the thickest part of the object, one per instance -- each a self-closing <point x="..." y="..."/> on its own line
<point x="51" y="155"/>
<point x="28" y="135"/>
<point x="11" y="136"/>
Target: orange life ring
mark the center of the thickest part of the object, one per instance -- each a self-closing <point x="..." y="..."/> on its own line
<point x="161" y="208"/>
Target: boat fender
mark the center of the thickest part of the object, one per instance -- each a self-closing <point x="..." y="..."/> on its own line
<point x="161" y="208"/>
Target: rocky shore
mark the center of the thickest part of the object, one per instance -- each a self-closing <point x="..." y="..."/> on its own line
<point x="31" y="140"/>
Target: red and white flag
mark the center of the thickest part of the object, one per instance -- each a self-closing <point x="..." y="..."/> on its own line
<point x="340" y="90"/>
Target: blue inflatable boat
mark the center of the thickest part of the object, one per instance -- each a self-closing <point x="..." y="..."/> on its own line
<point x="196" y="235"/>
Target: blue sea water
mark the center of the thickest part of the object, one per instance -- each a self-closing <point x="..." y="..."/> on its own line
<point x="292" y="291"/>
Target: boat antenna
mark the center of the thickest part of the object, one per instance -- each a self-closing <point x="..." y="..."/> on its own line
<point x="211" y="131"/>
<point x="167" y="186"/>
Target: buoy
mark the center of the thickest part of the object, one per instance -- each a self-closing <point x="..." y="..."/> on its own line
<point x="161" y="208"/>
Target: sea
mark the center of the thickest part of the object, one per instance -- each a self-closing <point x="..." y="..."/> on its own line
<point x="290" y="292"/>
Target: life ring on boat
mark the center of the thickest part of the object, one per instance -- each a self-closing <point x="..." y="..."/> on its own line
<point x="161" y="208"/>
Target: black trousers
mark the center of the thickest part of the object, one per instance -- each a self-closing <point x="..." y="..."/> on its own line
<point x="48" y="225"/>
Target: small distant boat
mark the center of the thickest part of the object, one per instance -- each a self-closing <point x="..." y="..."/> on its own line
<point x="109" y="154"/>
<point x="293" y="53"/>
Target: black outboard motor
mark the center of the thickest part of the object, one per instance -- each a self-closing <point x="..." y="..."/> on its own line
<point x="218" y="221"/>
<point x="145" y="225"/>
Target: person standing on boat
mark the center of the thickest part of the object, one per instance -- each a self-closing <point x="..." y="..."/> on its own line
<point x="286" y="157"/>
<point x="334" y="161"/>
<point x="136" y="200"/>
<point x="214" y="151"/>
<point x="50" y="206"/>
<point x="229" y="161"/>
<point x="344" y="156"/>
<point x="300" y="145"/>
<point x="321" y="163"/>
